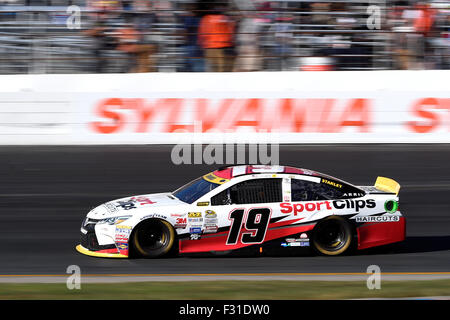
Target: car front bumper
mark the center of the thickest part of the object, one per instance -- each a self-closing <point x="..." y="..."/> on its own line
<point x="105" y="253"/>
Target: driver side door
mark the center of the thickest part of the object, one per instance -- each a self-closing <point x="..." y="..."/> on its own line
<point x="242" y="212"/>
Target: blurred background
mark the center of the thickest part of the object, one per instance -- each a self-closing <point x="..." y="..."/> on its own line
<point x="118" y="36"/>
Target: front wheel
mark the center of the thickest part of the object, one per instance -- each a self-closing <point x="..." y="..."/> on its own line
<point x="153" y="238"/>
<point x="332" y="236"/>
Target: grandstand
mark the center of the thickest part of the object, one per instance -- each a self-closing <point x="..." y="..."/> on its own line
<point x="82" y="36"/>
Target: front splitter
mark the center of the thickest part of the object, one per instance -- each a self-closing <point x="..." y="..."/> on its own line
<point x="88" y="252"/>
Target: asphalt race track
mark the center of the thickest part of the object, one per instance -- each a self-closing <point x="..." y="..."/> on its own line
<point x="45" y="192"/>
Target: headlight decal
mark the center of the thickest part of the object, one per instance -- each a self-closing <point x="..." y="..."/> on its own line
<point x="114" y="220"/>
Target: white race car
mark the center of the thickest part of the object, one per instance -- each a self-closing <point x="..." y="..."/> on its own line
<point x="247" y="207"/>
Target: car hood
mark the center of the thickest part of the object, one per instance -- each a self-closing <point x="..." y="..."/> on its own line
<point x="132" y="205"/>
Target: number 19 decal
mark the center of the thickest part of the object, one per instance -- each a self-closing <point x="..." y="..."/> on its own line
<point x="256" y="222"/>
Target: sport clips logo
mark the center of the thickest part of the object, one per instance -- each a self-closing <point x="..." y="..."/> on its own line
<point x="327" y="205"/>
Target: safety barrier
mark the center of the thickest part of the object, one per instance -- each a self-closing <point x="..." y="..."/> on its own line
<point x="259" y="107"/>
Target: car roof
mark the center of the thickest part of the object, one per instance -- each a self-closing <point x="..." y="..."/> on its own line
<point x="226" y="174"/>
<point x="231" y="172"/>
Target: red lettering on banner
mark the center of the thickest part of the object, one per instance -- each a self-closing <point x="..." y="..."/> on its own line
<point x="357" y="114"/>
<point x="105" y="109"/>
<point x="291" y="115"/>
<point x="286" y="115"/>
<point x="212" y="119"/>
<point x="427" y="109"/>
<point x="324" y="121"/>
<point x="144" y="113"/>
<point x="173" y="107"/>
<point x="249" y="114"/>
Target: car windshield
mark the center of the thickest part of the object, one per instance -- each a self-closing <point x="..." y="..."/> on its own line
<point x="194" y="190"/>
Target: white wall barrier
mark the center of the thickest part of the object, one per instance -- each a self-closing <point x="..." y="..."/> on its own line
<point x="265" y="107"/>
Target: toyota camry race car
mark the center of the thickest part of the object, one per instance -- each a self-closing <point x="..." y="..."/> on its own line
<point x="248" y="206"/>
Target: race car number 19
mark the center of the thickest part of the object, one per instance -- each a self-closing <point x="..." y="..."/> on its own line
<point x="256" y="223"/>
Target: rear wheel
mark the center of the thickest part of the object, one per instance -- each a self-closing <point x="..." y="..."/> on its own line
<point x="332" y="236"/>
<point x="153" y="238"/>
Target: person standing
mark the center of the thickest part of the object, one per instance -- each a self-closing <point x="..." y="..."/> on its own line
<point x="193" y="61"/>
<point x="215" y="37"/>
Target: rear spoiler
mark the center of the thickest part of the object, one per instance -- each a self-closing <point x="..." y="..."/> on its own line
<point x="387" y="185"/>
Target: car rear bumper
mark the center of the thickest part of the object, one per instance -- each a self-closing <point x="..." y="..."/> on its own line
<point x="374" y="234"/>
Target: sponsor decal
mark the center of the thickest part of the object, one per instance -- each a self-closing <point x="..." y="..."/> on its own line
<point x="122" y="245"/>
<point x="195" y="236"/>
<point x="110" y="207"/>
<point x="211" y="219"/>
<point x="195" y="230"/>
<point x="180" y="223"/>
<point x="354" y="204"/>
<point x="195" y="220"/>
<point x="142" y="200"/>
<point x="378" y="219"/>
<point x="353" y="194"/>
<point x="287" y="207"/>
<point x="203" y="204"/>
<point x="211" y="229"/>
<point x="295" y="244"/>
<point x="211" y="222"/>
<point x="260" y="168"/>
<point x="194" y="214"/>
<point x="210" y="214"/>
<point x="131" y="203"/>
<point x="332" y="183"/>
<point x="176" y="215"/>
<point x="122" y="233"/>
<point x="121" y="227"/>
<point x="302" y="241"/>
<point x="154" y="215"/>
<point x="296" y="208"/>
<point x="127" y="205"/>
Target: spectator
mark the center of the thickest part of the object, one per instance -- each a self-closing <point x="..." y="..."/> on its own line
<point x="404" y="40"/>
<point x="282" y="40"/>
<point x="247" y="41"/>
<point x="193" y="61"/>
<point x="442" y="42"/>
<point x="215" y="37"/>
<point x="130" y="42"/>
<point x="412" y="36"/>
<point x="102" y="41"/>
<point x="423" y="26"/>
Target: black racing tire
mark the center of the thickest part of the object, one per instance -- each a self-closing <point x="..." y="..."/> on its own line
<point x="153" y="238"/>
<point x="332" y="236"/>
